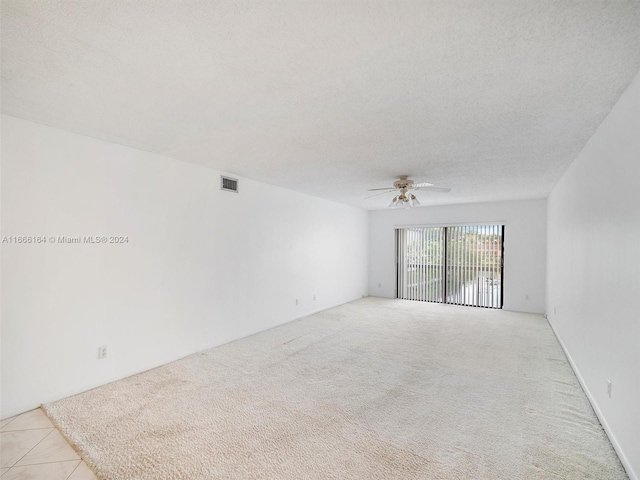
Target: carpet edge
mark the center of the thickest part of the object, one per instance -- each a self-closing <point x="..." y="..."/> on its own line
<point x="628" y="468"/>
<point x="80" y="451"/>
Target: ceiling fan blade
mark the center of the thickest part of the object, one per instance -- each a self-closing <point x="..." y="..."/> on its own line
<point x="387" y="188"/>
<point x="418" y="185"/>
<point x="434" y="189"/>
<point x="376" y="195"/>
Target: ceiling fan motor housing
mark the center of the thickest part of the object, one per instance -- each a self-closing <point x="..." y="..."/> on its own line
<point x="403" y="182"/>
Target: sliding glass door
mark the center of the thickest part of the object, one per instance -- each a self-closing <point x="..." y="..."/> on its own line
<point x="420" y="253"/>
<point x="460" y="265"/>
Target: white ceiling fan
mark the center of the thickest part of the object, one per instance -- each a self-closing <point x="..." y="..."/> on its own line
<point x="404" y="187"/>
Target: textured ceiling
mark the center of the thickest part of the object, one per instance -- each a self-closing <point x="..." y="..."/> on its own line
<point x="493" y="99"/>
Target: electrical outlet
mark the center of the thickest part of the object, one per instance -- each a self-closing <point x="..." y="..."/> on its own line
<point x="102" y="352"/>
<point x="609" y="388"/>
<point x="296" y="301"/>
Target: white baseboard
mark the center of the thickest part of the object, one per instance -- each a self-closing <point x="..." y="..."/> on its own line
<point x="603" y="421"/>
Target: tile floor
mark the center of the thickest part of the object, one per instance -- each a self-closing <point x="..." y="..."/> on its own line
<point x="31" y="448"/>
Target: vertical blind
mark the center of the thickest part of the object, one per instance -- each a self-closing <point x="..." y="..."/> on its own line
<point x="460" y="265"/>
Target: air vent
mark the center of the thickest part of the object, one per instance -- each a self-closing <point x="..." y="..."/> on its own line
<point x="229" y="184"/>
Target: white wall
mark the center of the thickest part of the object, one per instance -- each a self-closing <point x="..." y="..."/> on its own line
<point x="202" y="266"/>
<point x="524" y="245"/>
<point x="593" y="271"/>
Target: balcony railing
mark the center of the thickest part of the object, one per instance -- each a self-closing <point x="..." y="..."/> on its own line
<point x="466" y="285"/>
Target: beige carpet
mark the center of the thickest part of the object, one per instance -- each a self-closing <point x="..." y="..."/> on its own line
<point x="375" y="389"/>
